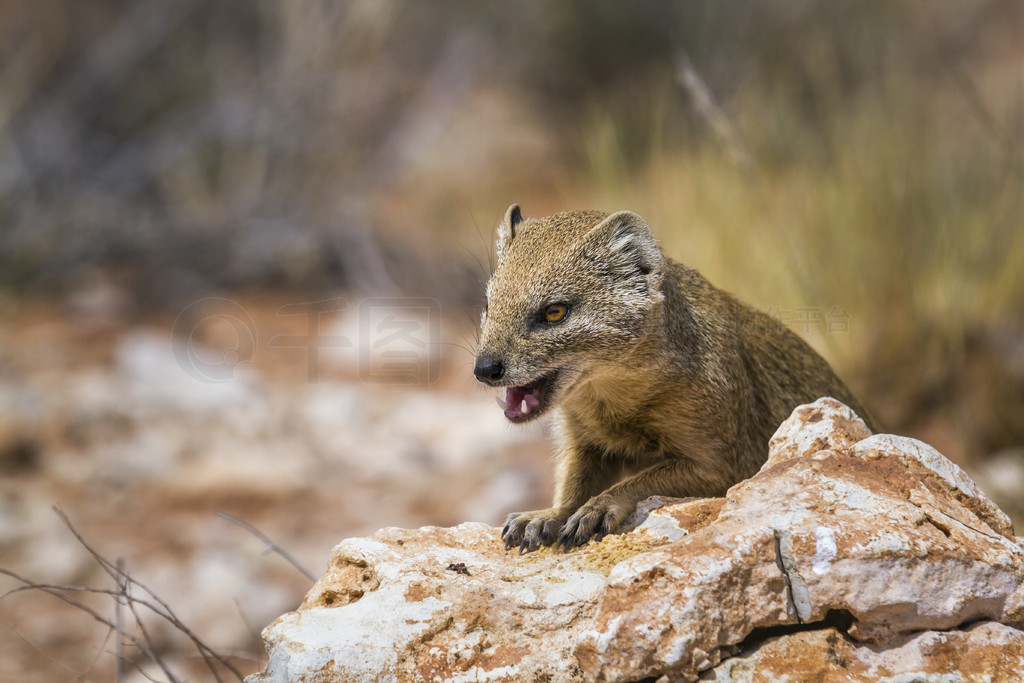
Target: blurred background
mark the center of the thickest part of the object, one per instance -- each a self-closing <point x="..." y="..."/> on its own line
<point x="243" y="246"/>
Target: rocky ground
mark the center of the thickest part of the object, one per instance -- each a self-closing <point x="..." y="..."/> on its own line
<point x="106" y="421"/>
<point x="129" y="429"/>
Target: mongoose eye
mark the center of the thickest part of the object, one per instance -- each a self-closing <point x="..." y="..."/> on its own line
<point x="555" y="313"/>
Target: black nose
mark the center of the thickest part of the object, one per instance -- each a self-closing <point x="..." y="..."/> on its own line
<point x="489" y="370"/>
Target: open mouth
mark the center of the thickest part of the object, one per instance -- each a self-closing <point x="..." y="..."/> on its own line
<point x="528" y="401"/>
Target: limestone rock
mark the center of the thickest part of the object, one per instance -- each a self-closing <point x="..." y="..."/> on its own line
<point x="982" y="652"/>
<point x="847" y="555"/>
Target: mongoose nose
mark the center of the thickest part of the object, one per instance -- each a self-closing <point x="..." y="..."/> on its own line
<point x="489" y="370"/>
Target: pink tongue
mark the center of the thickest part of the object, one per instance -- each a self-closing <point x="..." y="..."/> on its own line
<point x="514" y="397"/>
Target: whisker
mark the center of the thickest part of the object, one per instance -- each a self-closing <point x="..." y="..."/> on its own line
<point x="457" y="345"/>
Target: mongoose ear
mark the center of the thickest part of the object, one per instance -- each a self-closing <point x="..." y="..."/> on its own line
<point x="631" y="245"/>
<point x="507" y="229"/>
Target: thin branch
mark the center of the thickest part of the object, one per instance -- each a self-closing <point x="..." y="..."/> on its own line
<point x="142" y="672"/>
<point x="271" y="546"/>
<point x="158" y="606"/>
<point x="122" y="588"/>
<point x="103" y="562"/>
<point x="28" y="641"/>
<point x="162" y="609"/>
<point x="122" y="595"/>
<point x="58" y="591"/>
<point x="707" y="108"/>
<point x="84" y="675"/>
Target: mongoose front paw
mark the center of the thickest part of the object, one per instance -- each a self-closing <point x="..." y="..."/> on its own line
<point x="602" y="515"/>
<point x="530" y="530"/>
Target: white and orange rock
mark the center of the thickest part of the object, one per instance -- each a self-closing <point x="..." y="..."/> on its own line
<point x="848" y="556"/>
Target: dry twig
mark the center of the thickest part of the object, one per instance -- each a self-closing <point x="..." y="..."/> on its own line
<point x="271" y="546"/>
<point x="122" y="595"/>
<point x="707" y="108"/>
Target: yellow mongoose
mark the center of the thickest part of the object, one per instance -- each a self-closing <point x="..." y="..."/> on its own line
<point x="661" y="384"/>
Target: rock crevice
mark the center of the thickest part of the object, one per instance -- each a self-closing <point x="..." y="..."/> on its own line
<point x="798" y="600"/>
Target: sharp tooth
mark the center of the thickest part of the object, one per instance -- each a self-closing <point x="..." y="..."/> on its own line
<point x="501" y="403"/>
<point x="524" y="407"/>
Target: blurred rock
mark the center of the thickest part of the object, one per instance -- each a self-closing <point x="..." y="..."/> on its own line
<point x="19" y="447"/>
<point x="1002" y="476"/>
<point x="846" y="554"/>
<point x="98" y="301"/>
<point x="142" y="439"/>
<point x="181" y="375"/>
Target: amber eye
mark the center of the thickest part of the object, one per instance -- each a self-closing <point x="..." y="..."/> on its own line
<point x="555" y="313"/>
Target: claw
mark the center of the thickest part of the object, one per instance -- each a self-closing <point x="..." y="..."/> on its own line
<point x="524" y="547"/>
<point x="573" y="540"/>
<point x="504" y="532"/>
<point x="569" y="538"/>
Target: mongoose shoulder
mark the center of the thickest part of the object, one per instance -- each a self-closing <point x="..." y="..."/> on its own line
<point x="659" y="383"/>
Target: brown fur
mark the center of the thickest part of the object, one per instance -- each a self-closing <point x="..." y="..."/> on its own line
<point x="665" y="384"/>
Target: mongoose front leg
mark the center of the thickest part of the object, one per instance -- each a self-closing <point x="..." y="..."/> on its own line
<point x="578" y="477"/>
<point x="606" y="512"/>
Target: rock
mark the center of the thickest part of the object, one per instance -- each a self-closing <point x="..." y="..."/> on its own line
<point x="846" y="555"/>
<point x="415" y="605"/>
<point x="982" y="652"/>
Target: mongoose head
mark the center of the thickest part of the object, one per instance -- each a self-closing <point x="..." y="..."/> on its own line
<point x="572" y="295"/>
